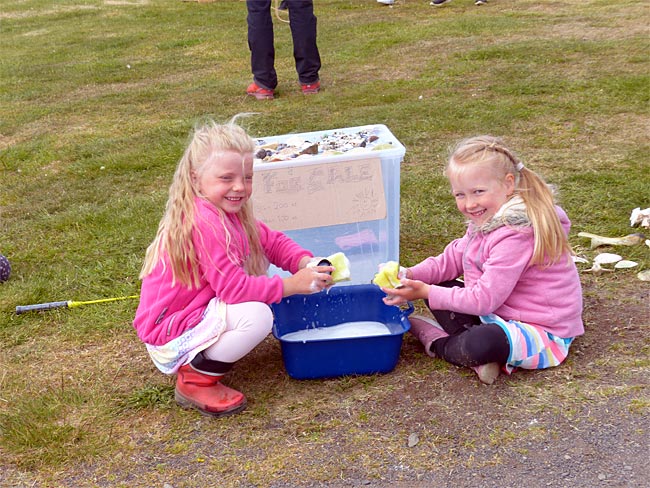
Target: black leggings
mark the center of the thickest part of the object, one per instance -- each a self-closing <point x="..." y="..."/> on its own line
<point x="470" y="342"/>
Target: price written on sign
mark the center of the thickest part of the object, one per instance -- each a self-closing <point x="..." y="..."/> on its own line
<point x="317" y="195"/>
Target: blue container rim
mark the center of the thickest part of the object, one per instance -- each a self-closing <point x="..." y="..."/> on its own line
<point x="397" y="315"/>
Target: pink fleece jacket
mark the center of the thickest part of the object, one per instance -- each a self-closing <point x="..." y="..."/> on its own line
<point x="494" y="261"/>
<point x="166" y="311"/>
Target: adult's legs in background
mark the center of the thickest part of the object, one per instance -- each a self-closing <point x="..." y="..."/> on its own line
<point x="260" y="43"/>
<point x="302" y="22"/>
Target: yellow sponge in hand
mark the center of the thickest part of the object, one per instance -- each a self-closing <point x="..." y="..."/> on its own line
<point x="341" y="265"/>
<point x="387" y="277"/>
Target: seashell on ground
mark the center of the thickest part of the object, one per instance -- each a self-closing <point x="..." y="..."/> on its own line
<point x="641" y="217"/>
<point x="644" y="275"/>
<point x="607" y="258"/>
<point x="625" y="264"/>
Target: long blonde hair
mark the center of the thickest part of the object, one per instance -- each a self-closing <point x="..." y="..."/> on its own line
<point x="174" y="235"/>
<point x="551" y="242"/>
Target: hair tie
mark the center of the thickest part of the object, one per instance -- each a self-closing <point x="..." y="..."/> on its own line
<point x="519" y="166"/>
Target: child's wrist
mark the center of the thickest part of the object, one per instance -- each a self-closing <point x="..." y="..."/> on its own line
<point x="304" y="261"/>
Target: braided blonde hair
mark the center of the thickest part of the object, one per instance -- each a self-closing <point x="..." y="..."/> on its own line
<point x="551" y="242"/>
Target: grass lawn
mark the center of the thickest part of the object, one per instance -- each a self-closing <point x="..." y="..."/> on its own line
<point x="97" y="99"/>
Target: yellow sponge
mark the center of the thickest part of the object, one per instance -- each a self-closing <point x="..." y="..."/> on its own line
<point x="387" y="275"/>
<point x="341" y="266"/>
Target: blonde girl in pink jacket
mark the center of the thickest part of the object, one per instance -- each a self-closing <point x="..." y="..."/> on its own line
<point x="205" y="295"/>
<point x="519" y="304"/>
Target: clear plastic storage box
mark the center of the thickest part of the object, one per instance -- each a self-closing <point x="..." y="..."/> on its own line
<point x="333" y="191"/>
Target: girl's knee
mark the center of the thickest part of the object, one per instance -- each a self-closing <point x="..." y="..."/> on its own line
<point x="481" y="344"/>
<point x="264" y="317"/>
<point x="489" y="344"/>
<point x="254" y="317"/>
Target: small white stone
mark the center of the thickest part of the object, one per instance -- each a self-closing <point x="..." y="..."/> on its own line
<point x="413" y="439"/>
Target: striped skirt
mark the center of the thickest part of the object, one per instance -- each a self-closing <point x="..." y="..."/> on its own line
<point x="531" y="347"/>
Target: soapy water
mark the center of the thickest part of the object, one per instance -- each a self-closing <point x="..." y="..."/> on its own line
<point x="345" y="330"/>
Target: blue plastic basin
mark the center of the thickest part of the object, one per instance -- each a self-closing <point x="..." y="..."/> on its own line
<point x="339" y="357"/>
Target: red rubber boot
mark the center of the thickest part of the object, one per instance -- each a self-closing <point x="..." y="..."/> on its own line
<point x="206" y="393"/>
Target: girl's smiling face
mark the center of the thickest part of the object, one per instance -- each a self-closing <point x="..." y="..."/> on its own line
<point x="226" y="180"/>
<point x="479" y="193"/>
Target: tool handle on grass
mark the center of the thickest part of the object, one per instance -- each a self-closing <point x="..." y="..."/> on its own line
<point x="38" y="307"/>
<point x="73" y="304"/>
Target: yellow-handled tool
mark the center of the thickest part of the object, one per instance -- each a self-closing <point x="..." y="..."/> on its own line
<point x="39" y="307"/>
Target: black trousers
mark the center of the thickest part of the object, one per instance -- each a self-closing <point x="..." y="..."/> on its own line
<point x="470" y="342"/>
<point x="302" y="23"/>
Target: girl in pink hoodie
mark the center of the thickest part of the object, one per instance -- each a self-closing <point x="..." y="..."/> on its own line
<point x="519" y="303"/>
<point x="205" y="296"/>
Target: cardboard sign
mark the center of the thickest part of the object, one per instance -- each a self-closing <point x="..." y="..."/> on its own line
<point x="317" y="195"/>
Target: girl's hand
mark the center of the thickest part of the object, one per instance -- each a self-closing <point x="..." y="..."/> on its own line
<point x="409" y="291"/>
<point x="305" y="261"/>
<point x="308" y="280"/>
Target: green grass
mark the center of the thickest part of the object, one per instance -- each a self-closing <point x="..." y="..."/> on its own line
<point x="97" y="99"/>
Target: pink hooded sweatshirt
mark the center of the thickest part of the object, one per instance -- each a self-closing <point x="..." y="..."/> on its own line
<point x="166" y="311"/>
<point x="494" y="261"/>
